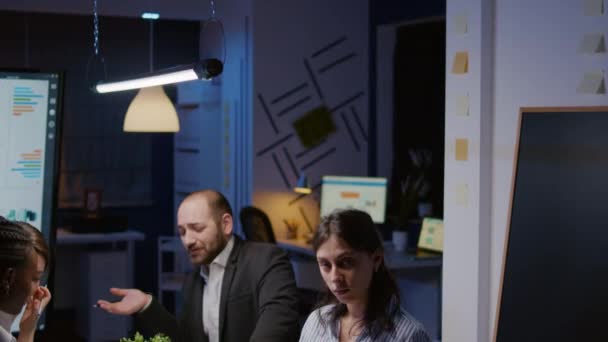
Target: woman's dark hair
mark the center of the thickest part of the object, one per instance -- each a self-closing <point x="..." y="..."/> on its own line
<point x="357" y="230"/>
<point x="38" y="241"/>
<point x="15" y="245"/>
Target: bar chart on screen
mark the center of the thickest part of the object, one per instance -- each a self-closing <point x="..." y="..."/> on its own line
<point x="28" y="165"/>
<point x="25" y="131"/>
<point x="25" y="121"/>
<point x="25" y="100"/>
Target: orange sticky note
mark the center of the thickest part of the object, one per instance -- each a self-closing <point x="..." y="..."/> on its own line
<point x="462" y="149"/>
<point x="461" y="63"/>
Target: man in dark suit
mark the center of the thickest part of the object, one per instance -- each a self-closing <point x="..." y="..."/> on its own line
<point x="241" y="291"/>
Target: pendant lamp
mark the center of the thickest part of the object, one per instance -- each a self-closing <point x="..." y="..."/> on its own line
<point x="151" y="110"/>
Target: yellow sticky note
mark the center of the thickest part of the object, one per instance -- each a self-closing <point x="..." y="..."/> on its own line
<point x="592" y="43"/>
<point x="594" y="7"/>
<point x="461" y="63"/>
<point x="462" y="149"/>
<point x="462" y="105"/>
<point x="592" y="83"/>
<point x="462" y="195"/>
<point x="431" y="234"/>
<point x="461" y="24"/>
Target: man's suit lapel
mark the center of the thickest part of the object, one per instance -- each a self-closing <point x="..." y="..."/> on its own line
<point x="197" y="323"/>
<point x="227" y="283"/>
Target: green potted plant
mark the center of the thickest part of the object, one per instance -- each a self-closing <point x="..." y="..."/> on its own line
<point x="140" y="338"/>
<point x="416" y="188"/>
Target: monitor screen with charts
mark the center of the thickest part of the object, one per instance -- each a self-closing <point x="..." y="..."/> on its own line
<point x="29" y="130"/>
<point x="363" y="193"/>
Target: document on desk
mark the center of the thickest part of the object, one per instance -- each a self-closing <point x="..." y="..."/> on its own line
<point x="431" y="234"/>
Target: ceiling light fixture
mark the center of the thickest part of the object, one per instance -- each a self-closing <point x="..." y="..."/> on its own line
<point x="150" y="15"/>
<point x="204" y="69"/>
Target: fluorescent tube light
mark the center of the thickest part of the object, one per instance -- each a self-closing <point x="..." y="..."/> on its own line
<point x="204" y="69"/>
<point x="148" y="81"/>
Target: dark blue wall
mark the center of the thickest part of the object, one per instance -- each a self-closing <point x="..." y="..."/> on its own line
<point x="64" y="43"/>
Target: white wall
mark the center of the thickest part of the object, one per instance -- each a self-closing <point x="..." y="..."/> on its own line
<point x="467" y="215"/>
<point x="521" y="53"/>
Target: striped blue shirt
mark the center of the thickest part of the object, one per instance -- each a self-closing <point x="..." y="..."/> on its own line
<point x="407" y="329"/>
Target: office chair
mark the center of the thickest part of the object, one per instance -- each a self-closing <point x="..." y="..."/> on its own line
<point x="256" y="225"/>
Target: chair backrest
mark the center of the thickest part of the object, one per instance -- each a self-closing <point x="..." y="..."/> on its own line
<point x="256" y="225"/>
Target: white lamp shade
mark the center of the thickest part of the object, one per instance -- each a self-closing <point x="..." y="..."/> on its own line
<point x="151" y="111"/>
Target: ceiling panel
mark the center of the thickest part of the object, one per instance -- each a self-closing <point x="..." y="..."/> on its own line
<point x="174" y="9"/>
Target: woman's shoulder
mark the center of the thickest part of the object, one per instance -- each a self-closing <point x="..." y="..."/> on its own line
<point x="320" y="313"/>
<point x="407" y="327"/>
<point x="313" y="327"/>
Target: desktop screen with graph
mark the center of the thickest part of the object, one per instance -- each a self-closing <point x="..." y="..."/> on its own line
<point x="363" y="193"/>
<point x="29" y="131"/>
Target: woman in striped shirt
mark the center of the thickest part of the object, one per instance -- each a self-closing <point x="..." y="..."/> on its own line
<point x="362" y="301"/>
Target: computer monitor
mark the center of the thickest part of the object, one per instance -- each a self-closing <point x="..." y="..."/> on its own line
<point x="30" y="115"/>
<point x="363" y="193"/>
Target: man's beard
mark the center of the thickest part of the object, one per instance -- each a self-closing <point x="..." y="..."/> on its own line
<point x="215" y="252"/>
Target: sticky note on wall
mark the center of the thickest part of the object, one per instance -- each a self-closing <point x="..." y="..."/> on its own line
<point x="592" y="43"/>
<point x="461" y="24"/>
<point x="462" y="149"/>
<point x="461" y="195"/>
<point x="462" y="105"/>
<point x="314" y="126"/>
<point x="594" y="7"/>
<point x="592" y="83"/>
<point x="461" y="63"/>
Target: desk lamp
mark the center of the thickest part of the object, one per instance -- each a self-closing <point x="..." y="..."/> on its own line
<point x="303" y="186"/>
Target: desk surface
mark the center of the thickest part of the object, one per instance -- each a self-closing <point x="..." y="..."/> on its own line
<point x="394" y="260"/>
<point x="66" y="238"/>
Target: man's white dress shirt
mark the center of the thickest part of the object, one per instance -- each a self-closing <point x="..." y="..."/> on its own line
<point x="213" y="276"/>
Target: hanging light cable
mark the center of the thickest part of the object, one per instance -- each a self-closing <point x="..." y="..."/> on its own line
<point x="96" y="66"/>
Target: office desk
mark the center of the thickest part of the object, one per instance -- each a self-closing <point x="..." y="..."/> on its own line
<point x="86" y="266"/>
<point x="419" y="279"/>
<point x="394" y="260"/>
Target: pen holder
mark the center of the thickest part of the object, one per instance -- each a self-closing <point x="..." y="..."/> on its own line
<point x="399" y="240"/>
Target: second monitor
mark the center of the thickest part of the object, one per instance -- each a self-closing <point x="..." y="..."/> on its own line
<point x="363" y="193"/>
